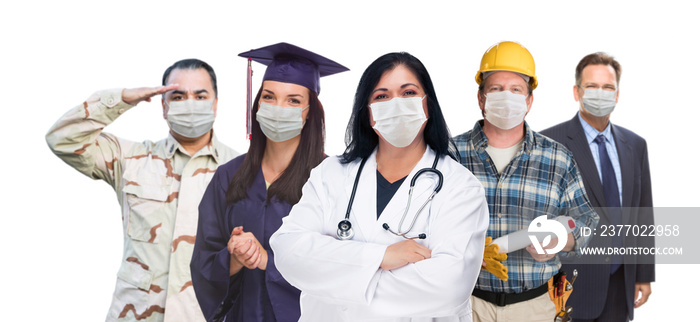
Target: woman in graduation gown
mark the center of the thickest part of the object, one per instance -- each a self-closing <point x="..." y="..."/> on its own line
<point x="234" y="274"/>
<point x="374" y="271"/>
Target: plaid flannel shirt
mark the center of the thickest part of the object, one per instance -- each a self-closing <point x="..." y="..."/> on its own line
<point x="542" y="179"/>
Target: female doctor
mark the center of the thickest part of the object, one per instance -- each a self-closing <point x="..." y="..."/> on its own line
<point x="361" y="249"/>
<point x="233" y="268"/>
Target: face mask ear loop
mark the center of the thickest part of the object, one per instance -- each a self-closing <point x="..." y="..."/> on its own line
<point x="168" y="105"/>
<point x="303" y="122"/>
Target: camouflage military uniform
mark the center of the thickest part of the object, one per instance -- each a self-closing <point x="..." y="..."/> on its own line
<point x="159" y="187"/>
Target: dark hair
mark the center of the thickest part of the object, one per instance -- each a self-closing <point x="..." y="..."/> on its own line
<point x="308" y="155"/>
<point x="192" y="63"/>
<point x="361" y="139"/>
<point x="599" y="58"/>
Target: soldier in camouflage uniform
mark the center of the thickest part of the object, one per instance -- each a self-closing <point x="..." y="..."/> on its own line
<point x="159" y="185"/>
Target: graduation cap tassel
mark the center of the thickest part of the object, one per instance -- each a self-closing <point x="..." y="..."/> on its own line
<point x="249" y="100"/>
<point x="287" y="63"/>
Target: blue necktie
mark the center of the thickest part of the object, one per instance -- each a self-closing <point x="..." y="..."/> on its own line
<point x="612" y="198"/>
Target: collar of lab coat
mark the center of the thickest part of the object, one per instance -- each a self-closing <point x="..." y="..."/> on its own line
<point x="364" y="211"/>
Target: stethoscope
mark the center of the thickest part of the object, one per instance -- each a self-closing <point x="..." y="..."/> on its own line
<point x="345" y="230"/>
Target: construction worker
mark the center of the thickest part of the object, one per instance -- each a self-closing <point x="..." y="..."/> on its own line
<point x="526" y="175"/>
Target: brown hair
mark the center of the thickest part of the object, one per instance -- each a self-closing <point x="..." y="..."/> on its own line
<point x="308" y="155"/>
<point x="482" y="86"/>
<point x="599" y="58"/>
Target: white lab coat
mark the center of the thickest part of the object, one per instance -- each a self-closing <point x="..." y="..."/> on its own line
<point x="341" y="280"/>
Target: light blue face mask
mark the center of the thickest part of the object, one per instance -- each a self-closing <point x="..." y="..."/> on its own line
<point x="505" y="109"/>
<point x="599" y="102"/>
<point x="280" y="123"/>
<point x="399" y="120"/>
<point x="191" y="118"/>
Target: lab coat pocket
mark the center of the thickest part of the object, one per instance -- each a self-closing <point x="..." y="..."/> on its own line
<point x="146" y="202"/>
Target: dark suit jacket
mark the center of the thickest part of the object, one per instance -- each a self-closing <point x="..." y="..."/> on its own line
<point x="590" y="288"/>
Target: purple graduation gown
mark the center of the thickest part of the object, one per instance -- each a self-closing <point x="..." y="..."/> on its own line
<point x="250" y="295"/>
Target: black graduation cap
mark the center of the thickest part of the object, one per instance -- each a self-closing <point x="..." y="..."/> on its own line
<point x="291" y="64"/>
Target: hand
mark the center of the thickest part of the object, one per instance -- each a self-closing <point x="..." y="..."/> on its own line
<point x="133" y="96"/>
<point x="246" y="250"/>
<point x="641" y="293"/>
<point x="492" y="260"/>
<point x="542" y="257"/>
<point x="404" y="252"/>
<point x="570" y="243"/>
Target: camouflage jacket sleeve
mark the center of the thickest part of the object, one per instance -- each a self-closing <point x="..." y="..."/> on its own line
<point x="77" y="137"/>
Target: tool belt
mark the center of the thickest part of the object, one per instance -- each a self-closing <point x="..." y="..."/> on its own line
<point x="503" y="299"/>
<point x="559" y="292"/>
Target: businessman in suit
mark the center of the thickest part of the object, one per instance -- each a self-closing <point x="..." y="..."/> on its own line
<point x="615" y="168"/>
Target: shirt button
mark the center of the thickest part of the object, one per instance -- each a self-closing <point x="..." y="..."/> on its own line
<point x="121" y="110"/>
<point x="499" y="215"/>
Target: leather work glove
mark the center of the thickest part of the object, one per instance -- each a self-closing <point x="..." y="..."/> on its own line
<point x="492" y="260"/>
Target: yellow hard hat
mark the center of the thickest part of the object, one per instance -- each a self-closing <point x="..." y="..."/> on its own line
<point x="508" y="56"/>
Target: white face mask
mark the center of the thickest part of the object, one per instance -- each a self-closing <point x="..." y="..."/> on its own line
<point x="399" y="120"/>
<point x="505" y="109"/>
<point x="190" y="118"/>
<point x="280" y="123"/>
<point x="599" y="102"/>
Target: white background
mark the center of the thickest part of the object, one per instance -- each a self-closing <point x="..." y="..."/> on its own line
<point x="61" y="232"/>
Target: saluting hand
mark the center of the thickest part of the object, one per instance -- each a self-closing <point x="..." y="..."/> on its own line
<point x="133" y="96"/>
<point x="402" y="253"/>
